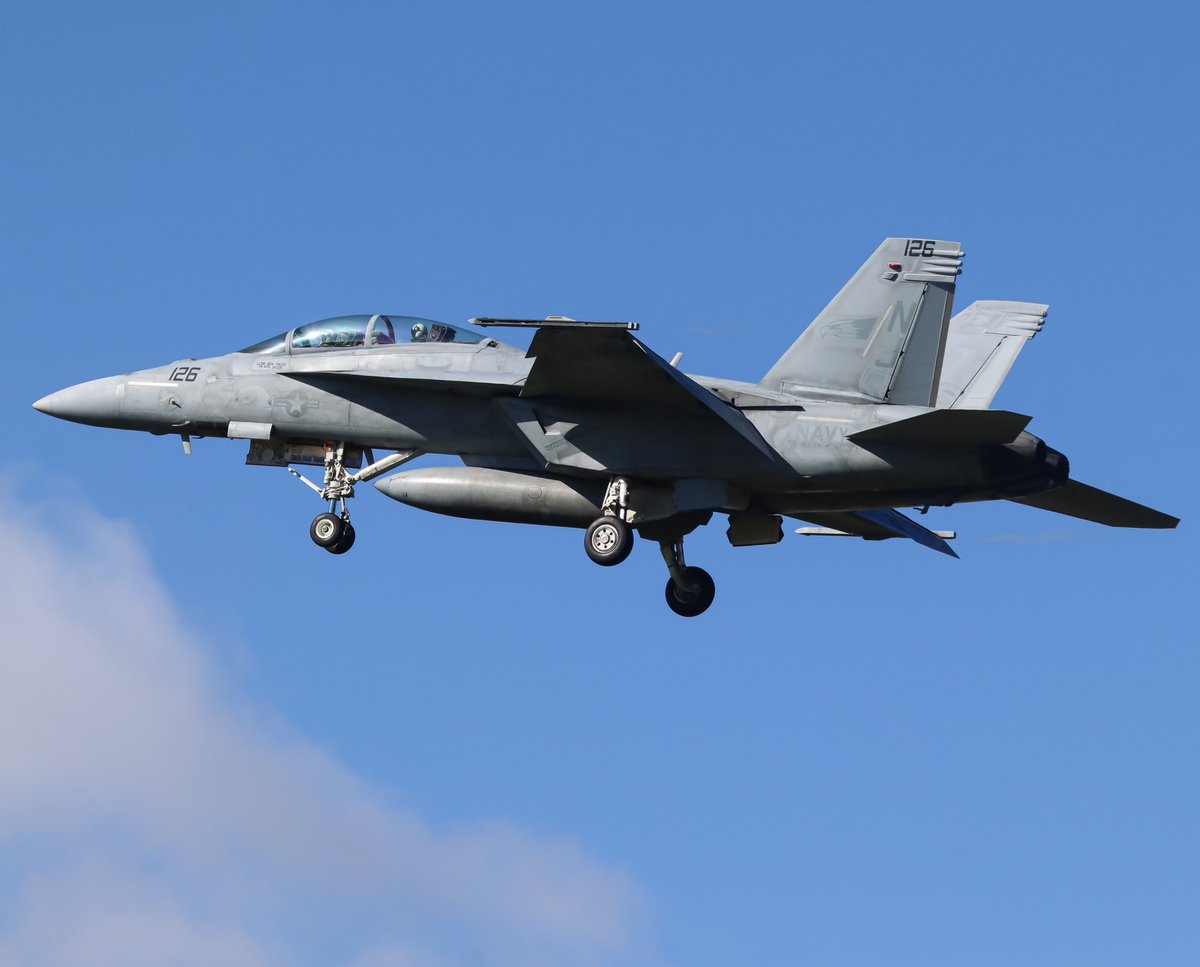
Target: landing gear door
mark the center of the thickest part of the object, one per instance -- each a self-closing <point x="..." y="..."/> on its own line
<point x="283" y="453"/>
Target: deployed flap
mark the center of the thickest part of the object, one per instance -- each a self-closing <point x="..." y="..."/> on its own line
<point x="612" y="366"/>
<point x="947" y="428"/>
<point x="1075" y="499"/>
<point x="983" y="343"/>
<point x="879" y="525"/>
<point x="882" y="337"/>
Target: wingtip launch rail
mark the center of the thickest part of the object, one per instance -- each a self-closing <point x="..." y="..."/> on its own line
<point x="553" y="322"/>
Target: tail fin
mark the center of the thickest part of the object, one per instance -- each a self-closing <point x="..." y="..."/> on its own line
<point x="882" y="337"/>
<point x="981" y="347"/>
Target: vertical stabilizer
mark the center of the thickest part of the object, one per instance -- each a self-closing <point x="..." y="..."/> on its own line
<point x="883" y="336"/>
<point x="981" y="347"/>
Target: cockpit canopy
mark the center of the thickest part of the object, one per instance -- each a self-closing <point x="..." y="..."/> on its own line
<point x="365" y="332"/>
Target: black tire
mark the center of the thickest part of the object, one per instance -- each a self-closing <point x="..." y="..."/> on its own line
<point x="608" y="541"/>
<point x="695" y="603"/>
<point x="345" y="542"/>
<point x="326" y="530"/>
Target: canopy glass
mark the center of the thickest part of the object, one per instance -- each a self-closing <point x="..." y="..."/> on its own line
<point x="365" y="332"/>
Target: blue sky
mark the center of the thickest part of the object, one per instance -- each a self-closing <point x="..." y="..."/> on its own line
<point x="464" y="743"/>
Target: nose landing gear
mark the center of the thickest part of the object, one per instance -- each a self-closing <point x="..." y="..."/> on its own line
<point x="333" y="530"/>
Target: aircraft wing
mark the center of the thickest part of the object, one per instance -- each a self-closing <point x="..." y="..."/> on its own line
<point x="613" y="366"/>
<point x="876" y="525"/>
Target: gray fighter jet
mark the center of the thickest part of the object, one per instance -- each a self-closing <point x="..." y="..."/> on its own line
<point x="881" y="403"/>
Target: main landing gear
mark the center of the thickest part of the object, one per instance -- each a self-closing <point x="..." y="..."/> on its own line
<point x="609" y="540"/>
<point x="333" y="530"/>
<point x="691" y="589"/>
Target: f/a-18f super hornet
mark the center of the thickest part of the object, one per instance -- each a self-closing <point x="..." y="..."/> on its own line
<point x="881" y="403"/>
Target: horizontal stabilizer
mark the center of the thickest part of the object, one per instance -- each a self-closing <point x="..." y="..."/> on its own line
<point x="947" y="428"/>
<point x="875" y="525"/>
<point x="1075" y="499"/>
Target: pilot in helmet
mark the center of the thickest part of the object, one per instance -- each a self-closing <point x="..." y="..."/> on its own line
<point x="418" y="332"/>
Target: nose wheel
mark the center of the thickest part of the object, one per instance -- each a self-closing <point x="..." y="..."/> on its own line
<point x="333" y="532"/>
<point x="326" y="530"/>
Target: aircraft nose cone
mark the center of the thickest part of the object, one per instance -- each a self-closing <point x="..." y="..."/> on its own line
<point x="94" y="403"/>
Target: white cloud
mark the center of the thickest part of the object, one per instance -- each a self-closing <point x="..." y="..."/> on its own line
<point x="147" y="817"/>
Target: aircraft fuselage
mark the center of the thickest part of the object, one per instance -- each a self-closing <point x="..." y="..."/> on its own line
<point x="290" y="399"/>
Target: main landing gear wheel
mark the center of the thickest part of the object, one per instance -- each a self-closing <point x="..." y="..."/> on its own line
<point x="608" y="541"/>
<point x="691" y="590"/>
<point x="690" y="603"/>
<point x="327" y="530"/>
<point x="345" y="542"/>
